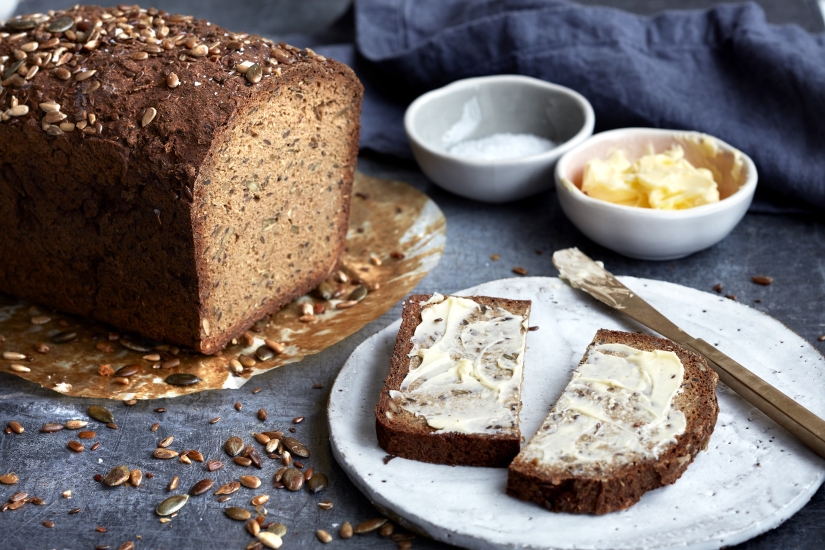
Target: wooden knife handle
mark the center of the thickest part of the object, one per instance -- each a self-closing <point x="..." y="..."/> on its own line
<point x="786" y="412"/>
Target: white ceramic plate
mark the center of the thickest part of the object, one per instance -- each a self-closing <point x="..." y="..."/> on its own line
<point x="753" y="476"/>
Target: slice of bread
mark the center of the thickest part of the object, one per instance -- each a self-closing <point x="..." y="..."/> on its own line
<point x="585" y="482"/>
<point x="480" y="441"/>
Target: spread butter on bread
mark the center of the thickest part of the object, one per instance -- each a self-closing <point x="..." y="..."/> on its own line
<point x="453" y="393"/>
<point x="633" y="417"/>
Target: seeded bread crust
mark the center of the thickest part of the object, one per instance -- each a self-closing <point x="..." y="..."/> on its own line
<point x="607" y="489"/>
<point x="178" y="197"/>
<point x="403" y="434"/>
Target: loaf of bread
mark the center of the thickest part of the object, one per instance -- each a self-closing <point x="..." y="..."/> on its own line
<point x="453" y="393"/>
<point x="635" y="414"/>
<point x="166" y="176"/>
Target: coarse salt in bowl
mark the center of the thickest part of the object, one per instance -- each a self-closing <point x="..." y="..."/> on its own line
<point x="496" y="138"/>
<point x="647" y="233"/>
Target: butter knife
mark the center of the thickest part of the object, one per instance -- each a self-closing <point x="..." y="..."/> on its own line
<point x="585" y="274"/>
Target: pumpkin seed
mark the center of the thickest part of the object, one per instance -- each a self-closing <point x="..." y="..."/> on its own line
<point x="238" y="514"/>
<point x="346" y="530"/>
<point x="254" y="73"/>
<point x="233" y="446"/>
<point x="20" y="24"/>
<point x="270" y="540"/>
<point x="101" y="414"/>
<point x="228" y="489"/>
<point x="136" y="344"/>
<point x="369" y="526"/>
<point x="293" y="479"/>
<point x="117" y="476"/>
<point x="358" y="294"/>
<point x="201" y="487"/>
<point x="64" y="337"/>
<point x="251" y="482"/>
<point x="264" y="353"/>
<point x="61" y="24"/>
<point x="296" y="447"/>
<point x="277" y="528"/>
<point x="171" y="505"/>
<point x="317" y="483"/>
<point x="182" y="379"/>
<point x="323" y="536"/>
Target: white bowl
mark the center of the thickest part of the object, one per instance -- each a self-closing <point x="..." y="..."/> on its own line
<point x="7" y="8"/>
<point x="478" y="107"/>
<point x="646" y="233"/>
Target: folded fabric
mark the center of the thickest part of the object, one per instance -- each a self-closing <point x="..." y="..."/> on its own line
<point x="723" y="71"/>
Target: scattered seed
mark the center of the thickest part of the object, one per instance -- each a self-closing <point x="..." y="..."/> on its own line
<point x="88" y="434"/>
<point x="172" y="80"/>
<point x="215" y="420"/>
<point x="195" y="455"/>
<point x="296" y="447"/>
<point x="309" y="473"/>
<point x="762" y="280"/>
<point x="346" y="304"/>
<point x="821" y="339"/>
<point x="128" y="545"/>
<point x="95" y="447"/>
<point x="170" y="364"/>
<point x="238" y="514"/>
<point x="346" y="530"/>
<point x="242" y="461"/>
<point x="261" y="438"/>
<point x="13" y="356"/>
<point x="136" y="477"/>
<point x="233" y="446"/>
<point x="64" y="337"/>
<point x="404" y="545"/>
<point x="16" y="427"/>
<point x="76" y="446"/>
<point x="166" y="441"/>
<point x="228" y="489"/>
<point x="111" y="426"/>
<point x="201" y="487"/>
<point x="224" y="498"/>
<point x="277" y="529"/>
<point x="51" y="427"/>
<point x="387" y="529"/>
<point x="238" y="406"/>
<point x="323" y="536"/>
<point x="317" y="483"/>
<point x="286" y="458"/>
<point x="182" y="379"/>
<point x="171" y="505"/>
<point x="74" y="511"/>
<point x="262" y="414"/>
<point x="260" y="499"/>
<point x="358" y="294"/>
<point x="184" y="458"/>
<point x="317" y="386"/>
<point x="213" y="465"/>
<point x="148" y="116"/>
<point x="155" y="426"/>
<point x="251" y="482"/>
<point x="98" y="478"/>
<point x="277" y="347"/>
<point x="279" y="475"/>
<point x="43" y="319"/>
<point x="293" y="479"/>
<point x="48" y="524"/>
<point x="718" y="287"/>
<point x="76" y="424"/>
<point x="369" y="526"/>
<point x="20" y="368"/>
<point x="164" y="453"/>
<point x="730" y="297"/>
<point x="247" y="361"/>
<point x="253" y="527"/>
<point x="254" y="73"/>
<point x="61" y="24"/>
<point x="173" y="483"/>
<point x="518" y="270"/>
<point x="41" y="347"/>
<point x="160" y="410"/>
<point x="270" y="540"/>
<point x="117" y="476"/>
<point x="18" y="496"/>
<point x="101" y="414"/>
<point x="127" y="371"/>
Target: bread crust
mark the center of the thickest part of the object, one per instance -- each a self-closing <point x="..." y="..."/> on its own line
<point x="619" y="488"/>
<point x="403" y="434"/>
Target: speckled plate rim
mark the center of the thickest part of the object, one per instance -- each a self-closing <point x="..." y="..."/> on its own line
<point x="352" y="436"/>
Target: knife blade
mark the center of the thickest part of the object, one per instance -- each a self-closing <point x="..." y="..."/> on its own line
<point x="583" y="273"/>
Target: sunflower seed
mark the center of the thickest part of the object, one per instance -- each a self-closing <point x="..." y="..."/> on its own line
<point x="148" y="116"/>
<point x="136" y="477"/>
<point x="346" y="530"/>
<point x="262" y="414"/>
<point x="251" y="482"/>
<point x="64" y="337"/>
<point x="182" y="379"/>
<point x="201" y="487"/>
<point x="369" y="526"/>
<point x="51" y="428"/>
<point x="279" y="475"/>
<point x="136" y="344"/>
<point x="195" y="455"/>
<point x="261" y="438"/>
<point x="387" y="529"/>
<point x="260" y="499"/>
<point x="270" y="540"/>
<point x="317" y="483"/>
<point x="16" y="427"/>
<point x="233" y="446"/>
<point x="346" y="304"/>
<point x="9" y="479"/>
<point x="62" y="73"/>
<point x="166" y="441"/>
<point x="272" y="445"/>
<point x="228" y="489"/>
<point x="293" y="479"/>
<point x="286" y="458"/>
<point x="173" y="483"/>
<point x="18" y="496"/>
<point x="76" y="446"/>
<point x="242" y="461"/>
<point x="296" y="447"/>
<point x="89" y="87"/>
<point x="84" y="75"/>
<point x="277" y="347"/>
<point x="101" y="414"/>
<point x="215" y="420"/>
<point x="172" y="80"/>
<point x="213" y="465"/>
<point x="164" y="453"/>
<point x="323" y="536"/>
<point x="19" y="368"/>
<point x="277" y="529"/>
<point x="171" y="505"/>
<point x="253" y="527"/>
<point x="117" y="476"/>
<point x="236" y="513"/>
<point x="76" y="424"/>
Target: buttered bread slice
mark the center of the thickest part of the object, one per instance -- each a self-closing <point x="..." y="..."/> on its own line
<point x="633" y="417"/>
<point x="453" y="393"/>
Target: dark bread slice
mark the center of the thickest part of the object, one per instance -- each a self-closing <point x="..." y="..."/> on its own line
<point x="403" y="434"/>
<point x="606" y="488"/>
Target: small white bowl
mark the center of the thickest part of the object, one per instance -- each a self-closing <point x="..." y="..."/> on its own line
<point x="478" y="107"/>
<point x="646" y="233"/>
